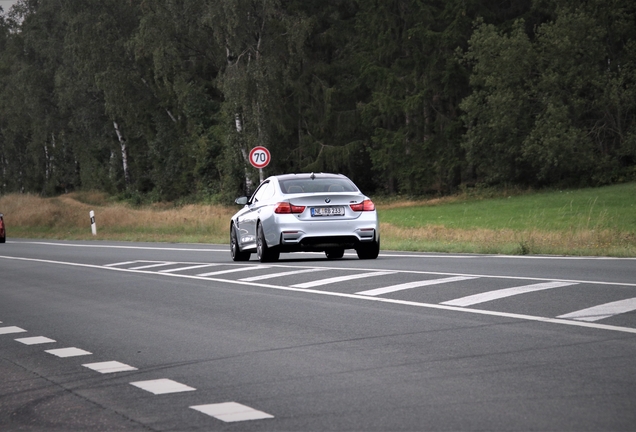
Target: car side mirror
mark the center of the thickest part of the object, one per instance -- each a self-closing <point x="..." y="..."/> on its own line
<point x="241" y="200"/>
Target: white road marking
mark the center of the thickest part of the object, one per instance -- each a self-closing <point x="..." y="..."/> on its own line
<point x="122" y="263"/>
<point x="125" y="247"/>
<point x="223" y="248"/>
<point x="231" y="412"/>
<point x="602" y="311"/>
<point x="162" y="386"/>
<point x="161" y="264"/>
<point x="490" y="276"/>
<point x="436" y="306"/>
<point x="109" y="367"/>
<point x="11" y="329"/>
<point x="187" y="268"/>
<point x="68" y="352"/>
<point x="35" y="340"/>
<point x="503" y="293"/>
<point x="334" y="280"/>
<point x="416" y="284"/>
<point x="235" y="270"/>
<point x="275" y="275"/>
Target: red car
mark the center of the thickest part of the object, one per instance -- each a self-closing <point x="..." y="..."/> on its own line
<point x="3" y="232"/>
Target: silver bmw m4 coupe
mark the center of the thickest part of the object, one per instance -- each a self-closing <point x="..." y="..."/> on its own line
<point x="305" y="212"/>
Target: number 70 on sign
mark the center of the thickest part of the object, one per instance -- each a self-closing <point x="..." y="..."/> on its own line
<point x="260" y="157"/>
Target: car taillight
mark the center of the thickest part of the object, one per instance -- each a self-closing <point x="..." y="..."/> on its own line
<point x="366" y="205"/>
<point x="288" y="208"/>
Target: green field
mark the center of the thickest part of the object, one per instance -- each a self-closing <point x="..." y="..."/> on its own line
<point x="596" y="221"/>
<point x="611" y="207"/>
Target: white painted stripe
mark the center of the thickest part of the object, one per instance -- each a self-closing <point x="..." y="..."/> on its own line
<point x="125" y="247"/>
<point x="503" y="293"/>
<point x="523" y="317"/>
<point x="602" y="311"/>
<point x="222" y="248"/>
<point x="35" y="340"/>
<point x="152" y="266"/>
<point x="502" y="257"/>
<point x="68" y="352"/>
<point x="162" y="386"/>
<point x="231" y="412"/>
<point x="121" y="263"/>
<point x="235" y="270"/>
<point x="416" y="284"/>
<point x="187" y="268"/>
<point x="275" y="275"/>
<point x="109" y="367"/>
<point x="11" y="329"/>
<point x="334" y="280"/>
<point x="490" y="276"/>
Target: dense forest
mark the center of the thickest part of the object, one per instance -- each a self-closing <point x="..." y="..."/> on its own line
<point x="163" y="99"/>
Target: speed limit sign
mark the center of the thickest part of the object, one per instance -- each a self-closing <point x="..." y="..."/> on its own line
<point x="260" y="157"/>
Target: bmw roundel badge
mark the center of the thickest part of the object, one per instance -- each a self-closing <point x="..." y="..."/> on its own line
<point x="327" y="200"/>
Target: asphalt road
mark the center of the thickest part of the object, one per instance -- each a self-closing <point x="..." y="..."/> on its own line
<point x="104" y="336"/>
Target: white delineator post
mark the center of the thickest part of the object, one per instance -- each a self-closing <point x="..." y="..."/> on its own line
<point x="93" y="226"/>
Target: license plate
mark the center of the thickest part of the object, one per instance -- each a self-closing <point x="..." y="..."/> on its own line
<point x="327" y="211"/>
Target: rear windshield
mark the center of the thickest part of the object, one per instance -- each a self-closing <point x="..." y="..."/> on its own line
<point x="307" y="185"/>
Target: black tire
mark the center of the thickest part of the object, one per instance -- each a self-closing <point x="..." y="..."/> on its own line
<point x="3" y="239"/>
<point x="264" y="252"/>
<point x="334" y="253"/>
<point x="369" y="251"/>
<point x="235" y="249"/>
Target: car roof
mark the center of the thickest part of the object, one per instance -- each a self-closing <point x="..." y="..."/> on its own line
<point x="308" y="175"/>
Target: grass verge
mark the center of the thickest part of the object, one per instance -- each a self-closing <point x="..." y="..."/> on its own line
<point x="67" y="217"/>
<point x="595" y="221"/>
<point x="586" y="222"/>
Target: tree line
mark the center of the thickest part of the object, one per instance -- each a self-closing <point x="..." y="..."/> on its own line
<point x="165" y="98"/>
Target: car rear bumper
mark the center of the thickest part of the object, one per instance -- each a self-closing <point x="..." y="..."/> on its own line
<point x="291" y="235"/>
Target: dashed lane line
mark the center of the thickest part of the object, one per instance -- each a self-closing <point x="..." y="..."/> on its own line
<point x="36" y="340"/>
<point x="416" y="284"/>
<point x="602" y="311"/>
<point x="231" y="412"/>
<point x="503" y="293"/>
<point x="226" y="412"/>
<point x="162" y="386"/>
<point x="568" y="322"/>
<point x="338" y="279"/>
<point x="109" y="367"/>
<point x="11" y="329"/>
<point x="68" y="352"/>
